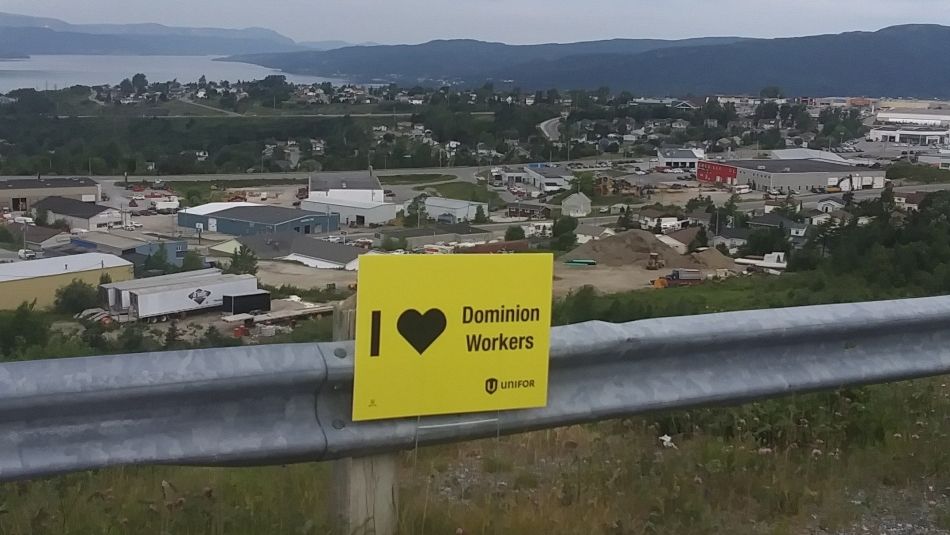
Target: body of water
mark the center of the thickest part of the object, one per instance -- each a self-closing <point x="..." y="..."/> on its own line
<point x="58" y="72"/>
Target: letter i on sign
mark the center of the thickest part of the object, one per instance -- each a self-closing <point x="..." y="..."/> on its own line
<point x="374" y="333"/>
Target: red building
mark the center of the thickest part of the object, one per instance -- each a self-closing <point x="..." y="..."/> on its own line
<point x="716" y="173"/>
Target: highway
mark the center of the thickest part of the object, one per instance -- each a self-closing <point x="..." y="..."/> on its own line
<point x="550" y="129"/>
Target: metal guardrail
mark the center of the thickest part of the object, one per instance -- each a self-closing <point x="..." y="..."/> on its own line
<point x="287" y="403"/>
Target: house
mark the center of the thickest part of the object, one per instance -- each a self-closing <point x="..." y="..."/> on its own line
<point x="909" y="202"/>
<point x="576" y="205"/>
<point x="772" y="205"/>
<point x="529" y="210"/>
<point x="732" y="238"/>
<point x="680" y="124"/>
<point x="711" y="123"/>
<point x="41" y="238"/>
<point x="650" y="219"/>
<point x="586" y="233"/>
<point x="306" y="250"/>
<point x="78" y="214"/>
<point x="817" y="217"/>
<point x="451" y="211"/>
<point x="682" y="158"/>
<point x="698" y="217"/>
<point x="830" y="204"/>
<point x="680" y="239"/>
<point x="774" y="220"/>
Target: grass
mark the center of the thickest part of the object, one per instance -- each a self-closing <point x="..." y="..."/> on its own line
<point x="465" y="191"/>
<point x="827" y="462"/>
<point x="918" y="173"/>
<point x="392" y="180"/>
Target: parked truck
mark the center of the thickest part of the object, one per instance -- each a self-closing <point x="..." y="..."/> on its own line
<point x="679" y="277"/>
<point x="166" y="206"/>
<point x="163" y="302"/>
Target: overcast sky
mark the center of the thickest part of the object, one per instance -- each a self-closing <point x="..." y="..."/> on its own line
<point x="511" y="21"/>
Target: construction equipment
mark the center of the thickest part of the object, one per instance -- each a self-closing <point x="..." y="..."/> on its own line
<point x="655" y="262"/>
<point x="679" y="277"/>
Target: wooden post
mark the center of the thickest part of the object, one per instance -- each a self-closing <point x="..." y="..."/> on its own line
<point x="364" y="495"/>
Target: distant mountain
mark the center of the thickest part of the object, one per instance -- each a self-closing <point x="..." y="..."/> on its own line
<point x="448" y="59"/>
<point x="20" y="34"/>
<point x="256" y="34"/>
<point x="332" y="45"/>
<point x="909" y="60"/>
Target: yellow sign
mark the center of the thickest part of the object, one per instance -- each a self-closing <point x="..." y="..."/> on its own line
<point x="443" y="334"/>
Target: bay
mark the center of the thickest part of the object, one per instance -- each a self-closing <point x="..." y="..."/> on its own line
<point x="58" y="72"/>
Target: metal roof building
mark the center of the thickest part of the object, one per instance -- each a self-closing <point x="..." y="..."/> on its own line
<point x="19" y="194"/>
<point x="248" y="219"/>
<point x="38" y="280"/>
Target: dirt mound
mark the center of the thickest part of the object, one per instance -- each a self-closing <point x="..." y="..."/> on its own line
<point x="712" y="258"/>
<point x="630" y="248"/>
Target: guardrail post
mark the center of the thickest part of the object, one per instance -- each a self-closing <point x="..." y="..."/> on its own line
<point x="365" y="493"/>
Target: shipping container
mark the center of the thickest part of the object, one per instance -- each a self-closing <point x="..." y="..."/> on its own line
<point x="246" y="302"/>
<point x="199" y="294"/>
<point x="115" y="295"/>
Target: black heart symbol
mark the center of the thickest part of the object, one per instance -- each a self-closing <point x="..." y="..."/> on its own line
<point x="421" y="330"/>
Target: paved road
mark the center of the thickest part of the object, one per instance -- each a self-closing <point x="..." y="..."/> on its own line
<point x="222" y="114"/>
<point x="211" y="108"/>
<point x="550" y="129"/>
<point x="810" y="199"/>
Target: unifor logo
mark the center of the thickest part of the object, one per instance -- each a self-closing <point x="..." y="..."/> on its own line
<point x="199" y="296"/>
<point x="491" y="385"/>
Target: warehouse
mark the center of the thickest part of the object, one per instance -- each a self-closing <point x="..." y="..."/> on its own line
<point x="133" y="246"/>
<point x="78" y="214"/>
<point x="360" y="186"/>
<point x="548" y="179"/>
<point x="419" y="237"/>
<point x="680" y="158"/>
<point x="917" y="135"/>
<point x="786" y="175"/>
<point x="246" y="219"/>
<point x="19" y="194"/>
<point x="352" y="213"/>
<point x="39" y="279"/>
<point x="306" y="250"/>
<point x="922" y="117"/>
<point x="451" y="211"/>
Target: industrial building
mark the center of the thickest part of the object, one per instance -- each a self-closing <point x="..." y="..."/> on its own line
<point x="922" y="117"/>
<point x="418" y="237"/>
<point x="916" y="135"/>
<point x="42" y="238"/>
<point x="548" y="178"/>
<point x="356" y="197"/>
<point x="788" y="175"/>
<point x="78" y="214"/>
<point x="19" y="194"/>
<point x="451" y="211"/>
<point x="679" y="158"/>
<point x="133" y="246"/>
<point x="38" y="280"/>
<point x="306" y="250"/>
<point x="246" y="219"/>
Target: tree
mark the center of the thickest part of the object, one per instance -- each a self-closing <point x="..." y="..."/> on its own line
<point x="564" y="242"/>
<point x="105" y="278"/>
<point x="42" y="218"/>
<point x="564" y="225"/>
<point x="848" y="198"/>
<point x="202" y="81"/>
<point x="243" y="261"/>
<point x="192" y="261"/>
<point x="701" y="240"/>
<point x="480" y="216"/>
<point x="765" y="241"/>
<point x="126" y="86"/>
<point x="514" y="233"/>
<point x="157" y="261"/>
<point x="172" y="336"/>
<point x="76" y="297"/>
<point x="394" y="244"/>
<point x="139" y="83"/>
<point x="771" y="92"/>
